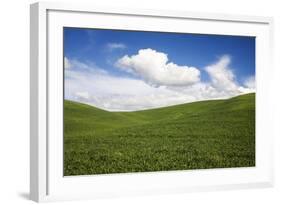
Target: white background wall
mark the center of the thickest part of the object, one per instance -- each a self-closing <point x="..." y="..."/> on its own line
<point x="14" y="101"/>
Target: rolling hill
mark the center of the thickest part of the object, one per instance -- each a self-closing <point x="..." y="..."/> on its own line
<point x="199" y="135"/>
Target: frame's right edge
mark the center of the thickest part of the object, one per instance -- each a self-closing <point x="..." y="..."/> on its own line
<point x="270" y="22"/>
<point x="272" y="65"/>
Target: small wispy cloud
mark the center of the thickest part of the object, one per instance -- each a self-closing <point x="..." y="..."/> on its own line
<point x="250" y="82"/>
<point x="115" y="46"/>
<point x="67" y="64"/>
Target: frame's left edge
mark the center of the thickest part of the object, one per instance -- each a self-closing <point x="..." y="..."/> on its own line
<point x="38" y="104"/>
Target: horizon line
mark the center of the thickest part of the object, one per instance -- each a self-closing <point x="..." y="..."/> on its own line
<point x="161" y="107"/>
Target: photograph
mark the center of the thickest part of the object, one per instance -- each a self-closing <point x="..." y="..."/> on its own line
<point x="150" y="101"/>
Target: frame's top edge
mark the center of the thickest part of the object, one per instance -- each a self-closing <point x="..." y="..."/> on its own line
<point x="83" y="7"/>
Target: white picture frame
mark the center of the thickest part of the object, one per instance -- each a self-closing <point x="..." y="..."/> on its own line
<point x="47" y="182"/>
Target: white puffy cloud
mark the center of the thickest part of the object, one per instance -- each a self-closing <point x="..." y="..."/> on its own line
<point x="249" y="85"/>
<point x="222" y="77"/>
<point x="250" y="82"/>
<point x="153" y="67"/>
<point x="90" y="84"/>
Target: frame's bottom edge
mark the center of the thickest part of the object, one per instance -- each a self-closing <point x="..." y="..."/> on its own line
<point x="212" y="188"/>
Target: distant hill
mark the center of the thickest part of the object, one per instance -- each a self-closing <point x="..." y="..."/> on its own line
<point x="206" y="134"/>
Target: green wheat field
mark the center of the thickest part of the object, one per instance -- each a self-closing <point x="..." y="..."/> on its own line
<point x="199" y="135"/>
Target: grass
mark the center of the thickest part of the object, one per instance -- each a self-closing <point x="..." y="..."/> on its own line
<point x="199" y="135"/>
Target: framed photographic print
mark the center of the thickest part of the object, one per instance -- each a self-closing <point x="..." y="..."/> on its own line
<point x="127" y="102"/>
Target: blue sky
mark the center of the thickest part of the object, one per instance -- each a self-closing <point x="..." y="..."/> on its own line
<point x="207" y="58"/>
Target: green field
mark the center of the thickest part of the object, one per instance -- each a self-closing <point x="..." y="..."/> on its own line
<point x="199" y="135"/>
